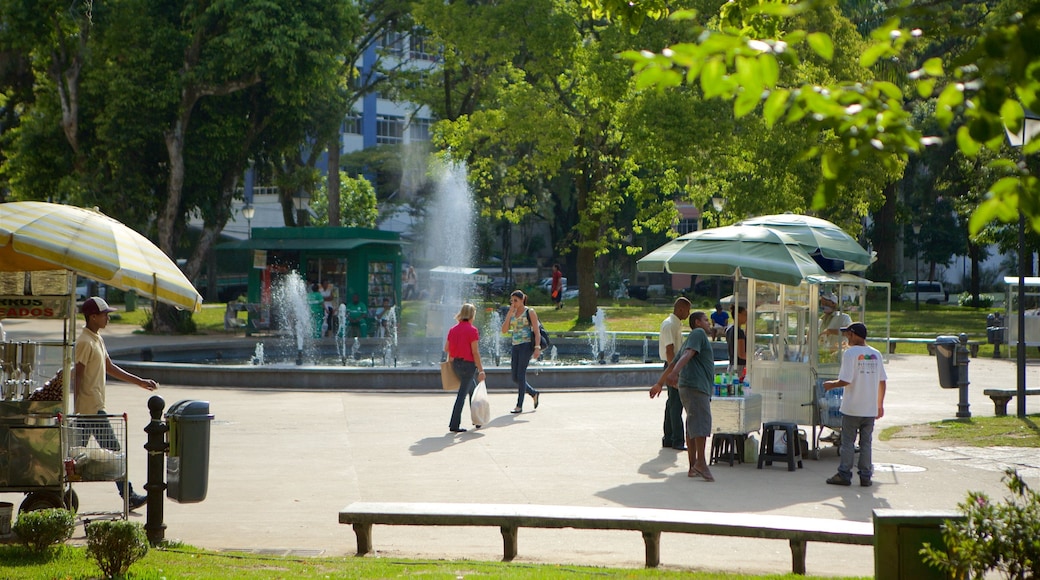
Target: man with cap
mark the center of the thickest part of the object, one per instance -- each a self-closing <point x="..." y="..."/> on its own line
<point x="863" y="377"/>
<point x="92" y="366"/>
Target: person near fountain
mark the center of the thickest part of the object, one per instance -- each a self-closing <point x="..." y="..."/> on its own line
<point x="409" y="284"/>
<point x="696" y="382"/>
<point x="669" y="342"/>
<point x="329" y="297"/>
<point x="463" y="349"/>
<point x="719" y="322"/>
<point x="383" y="316"/>
<point x="357" y="312"/>
<point x="92" y="366"/>
<point x="316" y="304"/>
<point x="521" y="323"/>
<point x="557" y="286"/>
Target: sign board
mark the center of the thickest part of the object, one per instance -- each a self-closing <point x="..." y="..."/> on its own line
<point x="40" y="307"/>
<point x="260" y="259"/>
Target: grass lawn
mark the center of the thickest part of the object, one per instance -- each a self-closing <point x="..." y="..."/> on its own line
<point x="71" y="563"/>
<point x="974" y="431"/>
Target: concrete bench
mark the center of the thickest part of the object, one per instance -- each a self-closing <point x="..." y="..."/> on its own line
<point x="973" y="345"/>
<point x="1001" y="397"/>
<point x="650" y="522"/>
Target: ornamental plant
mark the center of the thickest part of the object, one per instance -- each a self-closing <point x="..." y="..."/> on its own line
<point x="116" y="545"/>
<point x="38" y="530"/>
<point x="1002" y="537"/>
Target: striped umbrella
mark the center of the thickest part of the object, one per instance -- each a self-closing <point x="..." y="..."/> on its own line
<point x="36" y="235"/>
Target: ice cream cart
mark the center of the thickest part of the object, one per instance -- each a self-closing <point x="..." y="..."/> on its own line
<point x="43" y="247"/>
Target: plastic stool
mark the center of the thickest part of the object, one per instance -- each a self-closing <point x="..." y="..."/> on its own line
<point x="767" y="455"/>
<point x="727" y="447"/>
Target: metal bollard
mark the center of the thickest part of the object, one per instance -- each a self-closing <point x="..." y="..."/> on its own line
<point x="157" y="447"/>
<point x="961" y="360"/>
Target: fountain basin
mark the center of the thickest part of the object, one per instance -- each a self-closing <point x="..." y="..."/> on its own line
<point x="171" y="365"/>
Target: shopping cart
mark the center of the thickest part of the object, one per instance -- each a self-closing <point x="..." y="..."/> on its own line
<point x="94" y="449"/>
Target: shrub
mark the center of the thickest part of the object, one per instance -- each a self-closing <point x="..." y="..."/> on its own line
<point x="1003" y="537"/>
<point x="115" y="545"/>
<point x="966" y="299"/>
<point x="40" y="529"/>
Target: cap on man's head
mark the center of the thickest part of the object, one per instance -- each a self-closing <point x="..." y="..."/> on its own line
<point x="95" y="305"/>
<point x="830" y="296"/>
<point x="857" y="328"/>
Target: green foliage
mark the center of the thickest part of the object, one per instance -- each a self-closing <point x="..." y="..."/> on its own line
<point x="39" y="530"/>
<point x="1002" y="537"/>
<point x="357" y="203"/>
<point x="966" y="299"/>
<point x="116" y="545"/>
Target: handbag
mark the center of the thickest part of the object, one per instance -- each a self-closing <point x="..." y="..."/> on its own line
<point x="545" y="343"/>
<point x="479" y="406"/>
<point x="449" y="380"/>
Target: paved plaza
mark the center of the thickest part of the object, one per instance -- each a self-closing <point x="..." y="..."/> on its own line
<point x="283" y="463"/>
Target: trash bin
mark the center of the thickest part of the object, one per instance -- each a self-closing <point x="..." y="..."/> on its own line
<point x="946" y="357"/>
<point x="187" y="463"/>
<point x="130" y="301"/>
<point x="995" y="328"/>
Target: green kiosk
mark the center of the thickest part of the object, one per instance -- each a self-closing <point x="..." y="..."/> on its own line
<point x="357" y="261"/>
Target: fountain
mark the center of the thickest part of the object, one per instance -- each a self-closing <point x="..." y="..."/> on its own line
<point x="601" y="341"/>
<point x="448" y="242"/>
<point x="258" y="354"/>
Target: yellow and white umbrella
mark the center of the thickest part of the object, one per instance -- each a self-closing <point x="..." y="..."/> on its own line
<point x="36" y="235"/>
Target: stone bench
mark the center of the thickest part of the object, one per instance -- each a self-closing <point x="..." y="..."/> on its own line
<point x="1001" y="397"/>
<point x="650" y="522"/>
<point x="973" y="345"/>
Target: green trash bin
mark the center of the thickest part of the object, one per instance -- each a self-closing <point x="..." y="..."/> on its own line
<point x="130" y="301"/>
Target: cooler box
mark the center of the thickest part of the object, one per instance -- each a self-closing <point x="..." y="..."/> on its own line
<point x="736" y="414"/>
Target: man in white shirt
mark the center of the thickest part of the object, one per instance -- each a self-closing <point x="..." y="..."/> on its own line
<point x="863" y="377"/>
<point x="668" y="345"/>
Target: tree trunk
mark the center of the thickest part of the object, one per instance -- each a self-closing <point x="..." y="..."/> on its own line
<point x="333" y="186"/>
<point x="886" y="238"/>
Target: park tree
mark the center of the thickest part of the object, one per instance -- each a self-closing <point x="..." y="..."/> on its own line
<point x="987" y="86"/>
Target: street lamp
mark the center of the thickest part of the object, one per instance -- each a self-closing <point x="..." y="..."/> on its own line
<point x="1030" y="128"/>
<point x="917" y="266"/>
<point x="507" y="246"/>
<point x="248" y="212"/>
<point x="301" y="201"/>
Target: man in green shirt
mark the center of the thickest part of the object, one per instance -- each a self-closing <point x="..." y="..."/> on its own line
<point x="694" y="374"/>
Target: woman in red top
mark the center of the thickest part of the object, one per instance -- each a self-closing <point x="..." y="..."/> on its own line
<point x="463" y="350"/>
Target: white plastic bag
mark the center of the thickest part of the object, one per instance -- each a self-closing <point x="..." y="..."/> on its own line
<point x="479" y="406"/>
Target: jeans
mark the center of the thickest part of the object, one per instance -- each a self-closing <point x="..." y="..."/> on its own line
<point x="674" y="430"/>
<point x="465" y="370"/>
<point x="850" y="426"/>
<point x="520" y="357"/>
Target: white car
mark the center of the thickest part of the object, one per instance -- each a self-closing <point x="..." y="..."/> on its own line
<point x="928" y="292"/>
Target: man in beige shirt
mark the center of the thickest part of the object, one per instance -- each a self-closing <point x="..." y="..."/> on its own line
<point x="92" y="366"/>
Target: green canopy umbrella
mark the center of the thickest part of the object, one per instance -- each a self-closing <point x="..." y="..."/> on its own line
<point x="751" y="252"/>
<point x="817" y="235"/>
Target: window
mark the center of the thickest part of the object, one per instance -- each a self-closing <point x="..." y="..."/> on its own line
<point x="418" y="46"/>
<point x="419" y="129"/>
<point x="389" y="129"/>
<point x="687" y="225"/>
<point x="352" y="125"/>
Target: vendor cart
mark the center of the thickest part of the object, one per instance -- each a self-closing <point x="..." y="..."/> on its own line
<point x="43" y="247"/>
<point x="781" y="266"/>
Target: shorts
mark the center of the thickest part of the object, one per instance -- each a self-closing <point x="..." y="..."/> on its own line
<point x="698" y="412"/>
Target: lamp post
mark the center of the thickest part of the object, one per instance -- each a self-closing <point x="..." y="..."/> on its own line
<point x="507" y="246"/>
<point x="718" y="203"/>
<point x="917" y="266"/>
<point x="1030" y="128"/>
<point x="248" y="212"/>
<point x="302" y="202"/>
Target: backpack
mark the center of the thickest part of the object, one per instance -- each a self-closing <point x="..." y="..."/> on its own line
<point x="545" y="343"/>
